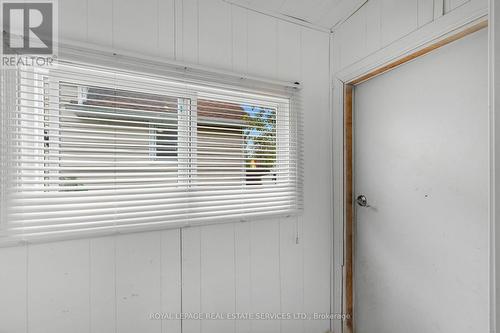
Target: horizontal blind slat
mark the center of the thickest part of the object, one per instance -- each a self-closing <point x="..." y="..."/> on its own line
<point x="97" y="150"/>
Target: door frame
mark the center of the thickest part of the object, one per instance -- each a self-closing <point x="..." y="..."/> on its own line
<point x="348" y="88"/>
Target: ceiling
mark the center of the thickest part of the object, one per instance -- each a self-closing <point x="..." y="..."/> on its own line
<point x="321" y="13"/>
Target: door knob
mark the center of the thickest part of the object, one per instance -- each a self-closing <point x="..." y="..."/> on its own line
<point x="362" y="201"/>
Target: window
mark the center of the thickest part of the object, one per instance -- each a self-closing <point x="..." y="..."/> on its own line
<point x="100" y="150"/>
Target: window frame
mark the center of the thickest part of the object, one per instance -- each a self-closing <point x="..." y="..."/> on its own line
<point x="187" y="96"/>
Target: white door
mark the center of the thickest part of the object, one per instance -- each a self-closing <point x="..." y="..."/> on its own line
<point x="421" y="160"/>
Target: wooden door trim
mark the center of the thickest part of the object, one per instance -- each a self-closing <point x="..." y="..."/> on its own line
<point x="348" y="286"/>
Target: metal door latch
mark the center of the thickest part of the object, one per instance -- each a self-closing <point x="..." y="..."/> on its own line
<point x="362" y="201"/>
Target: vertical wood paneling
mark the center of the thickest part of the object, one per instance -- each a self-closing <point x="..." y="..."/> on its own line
<point x="265" y="273"/>
<point x="102" y="285"/>
<point x="447" y="6"/>
<point x="379" y="23"/>
<point x="171" y="279"/>
<point x="191" y="277"/>
<point x="73" y="20"/>
<point x="100" y="26"/>
<point x="189" y="26"/>
<point x="58" y="287"/>
<point x="399" y="18"/>
<point x="130" y="31"/>
<point x="425" y="12"/>
<point x="114" y="283"/>
<point x="316" y="218"/>
<point x="289" y="57"/>
<point x="166" y="28"/>
<point x="178" y="26"/>
<point x="215" y="20"/>
<point x="217" y="276"/>
<point x="138" y="282"/>
<point x="438" y="8"/>
<point x="292" y="279"/>
<point x="242" y="271"/>
<point x="13" y="289"/>
<point x="262" y="45"/>
<point x="290" y="253"/>
<point x="352" y="36"/>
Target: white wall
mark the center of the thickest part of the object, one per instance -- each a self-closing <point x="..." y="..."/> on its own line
<point x="381" y="24"/>
<point x="494" y="45"/>
<point x="113" y="283"/>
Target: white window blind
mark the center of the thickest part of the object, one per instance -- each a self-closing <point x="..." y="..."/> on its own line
<point x="90" y="149"/>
